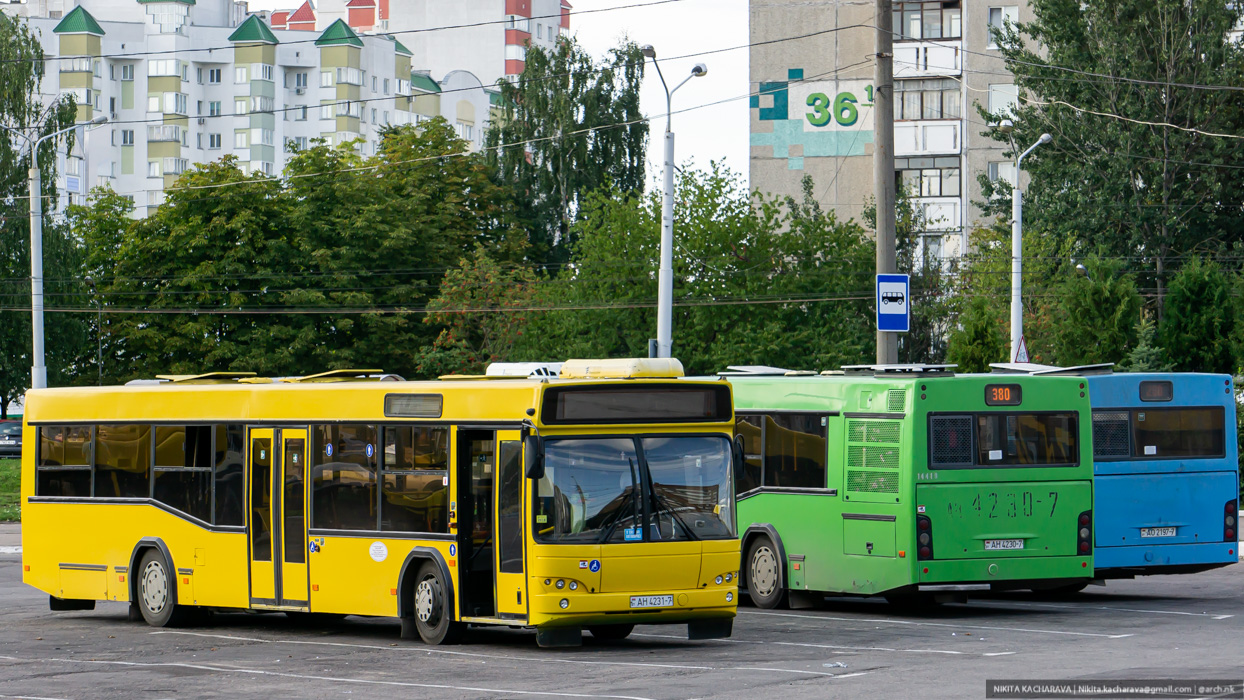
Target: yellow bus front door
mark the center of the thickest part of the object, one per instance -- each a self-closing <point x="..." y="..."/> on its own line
<point x="276" y="520"/>
<point x="511" y="579"/>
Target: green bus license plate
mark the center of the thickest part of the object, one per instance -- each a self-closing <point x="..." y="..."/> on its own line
<point x="1157" y="532"/>
<point x="1004" y="544"/>
<point x="652" y="601"/>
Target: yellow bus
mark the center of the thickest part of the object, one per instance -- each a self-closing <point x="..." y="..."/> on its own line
<point x="597" y="500"/>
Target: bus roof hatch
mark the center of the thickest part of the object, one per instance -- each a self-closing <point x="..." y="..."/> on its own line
<point x="900" y="370"/>
<point x="1050" y="370"/>
<point x="622" y="368"/>
<point x="205" y="378"/>
<point x="345" y="375"/>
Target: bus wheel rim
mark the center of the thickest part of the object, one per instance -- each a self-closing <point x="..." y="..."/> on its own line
<point x="764" y="571"/>
<point x="155" y="587"/>
<point x="428" y="601"/>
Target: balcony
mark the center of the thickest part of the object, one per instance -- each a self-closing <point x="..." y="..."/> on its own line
<point x="918" y="59"/>
<point x="915" y="138"/>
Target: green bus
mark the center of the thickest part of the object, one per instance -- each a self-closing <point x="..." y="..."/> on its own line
<point x="911" y="482"/>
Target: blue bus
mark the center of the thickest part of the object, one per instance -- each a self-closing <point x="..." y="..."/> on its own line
<point x="1165" y="469"/>
<point x="1166" y="473"/>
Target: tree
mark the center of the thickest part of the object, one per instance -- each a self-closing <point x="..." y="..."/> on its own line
<point x="979" y="340"/>
<point x="569" y="126"/>
<point x="21" y="109"/>
<point x="1094" y="316"/>
<point x="482" y="310"/>
<point x="332" y="270"/>
<point x="757" y="281"/>
<point x="1147" y="356"/>
<point x="1202" y="319"/>
<point x="1136" y="188"/>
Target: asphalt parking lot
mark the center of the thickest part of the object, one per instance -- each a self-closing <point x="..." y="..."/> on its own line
<point x="1157" y="627"/>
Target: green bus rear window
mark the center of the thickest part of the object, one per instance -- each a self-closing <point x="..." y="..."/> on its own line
<point x="985" y="440"/>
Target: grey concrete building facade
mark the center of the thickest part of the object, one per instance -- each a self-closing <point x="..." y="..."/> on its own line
<point x="813" y="114"/>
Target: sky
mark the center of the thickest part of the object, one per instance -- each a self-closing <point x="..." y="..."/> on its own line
<point x="691" y="26"/>
<point x="674" y="29"/>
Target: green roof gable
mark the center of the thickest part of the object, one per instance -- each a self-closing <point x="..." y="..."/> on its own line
<point x="79" y="21"/>
<point x="339" y="33"/>
<point x="423" y="81"/>
<point x="401" y="49"/>
<point x="253" y="30"/>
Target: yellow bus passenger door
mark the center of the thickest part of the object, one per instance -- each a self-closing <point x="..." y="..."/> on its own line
<point x="511" y="580"/>
<point x="474" y="461"/>
<point x="293" y="524"/>
<point x="259" y="518"/>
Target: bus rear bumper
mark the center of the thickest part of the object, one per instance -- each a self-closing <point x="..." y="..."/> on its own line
<point x="1144" y="560"/>
<point x="1003" y="574"/>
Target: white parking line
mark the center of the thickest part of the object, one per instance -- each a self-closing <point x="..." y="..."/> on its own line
<point x="938" y="624"/>
<point x="1063" y="606"/>
<point x="835" y="647"/>
<point x="509" y="657"/>
<point x="848" y="648"/>
<point x="333" y="679"/>
<point x="9" y="550"/>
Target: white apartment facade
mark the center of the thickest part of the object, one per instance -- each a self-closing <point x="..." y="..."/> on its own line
<point x="185" y="82"/>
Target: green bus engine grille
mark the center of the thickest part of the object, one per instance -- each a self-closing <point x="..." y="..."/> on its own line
<point x="873" y="456"/>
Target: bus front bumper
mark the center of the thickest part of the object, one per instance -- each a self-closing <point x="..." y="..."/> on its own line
<point x="585" y="609"/>
<point x="1002" y="573"/>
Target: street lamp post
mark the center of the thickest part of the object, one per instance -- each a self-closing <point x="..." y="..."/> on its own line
<point x="1017" y="246"/>
<point x="38" y="370"/>
<point x="665" y="275"/>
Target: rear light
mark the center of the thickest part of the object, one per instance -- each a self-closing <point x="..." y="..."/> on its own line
<point x="1229" y="527"/>
<point x="924" y="537"/>
<point x="1084" y="533"/>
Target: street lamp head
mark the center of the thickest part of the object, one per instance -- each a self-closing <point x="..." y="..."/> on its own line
<point x="100" y="119"/>
<point x="1081" y="270"/>
<point x="1006" y="126"/>
<point x="1045" y="138"/>
<point x="648" y="51"/>
<point x="699" y="70"/>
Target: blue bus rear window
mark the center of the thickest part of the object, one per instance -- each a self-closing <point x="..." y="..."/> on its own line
<point x="1161" y="433"/>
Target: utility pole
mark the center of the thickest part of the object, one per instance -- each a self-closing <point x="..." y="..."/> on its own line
<point x="883" y="162"/>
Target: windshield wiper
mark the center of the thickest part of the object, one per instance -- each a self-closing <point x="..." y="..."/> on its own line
<point x="664" y="505"/>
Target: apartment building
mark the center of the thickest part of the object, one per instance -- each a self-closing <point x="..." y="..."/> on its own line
<point x="488" y="38"/>
<point x="814" y="114"/>
<point x="189" y="81"/>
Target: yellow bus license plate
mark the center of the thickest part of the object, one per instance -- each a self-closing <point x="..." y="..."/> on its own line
<point x="652" y="601"/>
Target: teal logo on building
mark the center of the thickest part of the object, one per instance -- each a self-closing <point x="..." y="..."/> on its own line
<point x="830" y="118"/>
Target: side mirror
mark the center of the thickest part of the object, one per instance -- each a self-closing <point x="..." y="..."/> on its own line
<point x="533" y="456"/>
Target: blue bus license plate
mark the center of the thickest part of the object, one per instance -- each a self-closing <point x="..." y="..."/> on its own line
<point x="1157" y="532"/>
<point x="652" y="601"/>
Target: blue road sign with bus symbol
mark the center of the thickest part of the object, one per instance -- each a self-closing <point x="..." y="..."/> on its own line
<point x="893" y="303"/>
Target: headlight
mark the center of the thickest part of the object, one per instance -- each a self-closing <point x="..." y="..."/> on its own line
<point x="718" y="580"/>
<point x="729" y="578"/>
<point x="574" y="585"/>
<point x="560" y="584"/>
<point x="564" y="603"/>
<point x="729" y="597"/>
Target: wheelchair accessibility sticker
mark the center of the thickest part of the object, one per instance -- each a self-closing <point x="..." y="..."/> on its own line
<point x="594" y="566"/>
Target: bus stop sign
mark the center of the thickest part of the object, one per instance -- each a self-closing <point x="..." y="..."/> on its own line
<point x="893" y="303"/>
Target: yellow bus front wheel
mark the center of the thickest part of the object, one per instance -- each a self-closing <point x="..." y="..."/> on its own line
<point x="434" y="607"/>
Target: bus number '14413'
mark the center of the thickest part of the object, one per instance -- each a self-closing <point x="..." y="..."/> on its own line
<point x="1006" y="505"/>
